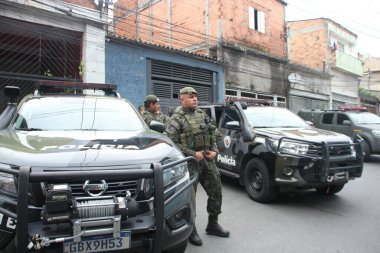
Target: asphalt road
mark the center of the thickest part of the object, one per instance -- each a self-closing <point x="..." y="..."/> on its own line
<point x="304" y="221"/>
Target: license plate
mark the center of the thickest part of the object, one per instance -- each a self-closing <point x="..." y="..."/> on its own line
<point x="98" y="244"/>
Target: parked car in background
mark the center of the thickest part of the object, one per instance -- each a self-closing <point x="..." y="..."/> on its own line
<point x="81" y="172"/>
<point x="351" y="121"/>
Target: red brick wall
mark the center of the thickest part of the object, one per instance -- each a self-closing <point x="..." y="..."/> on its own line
<point x="189" y="23"/>
<point x="308" y="43"/>
<point x="125" y="27"/>
<point x="236" y="25"/>
<point x="85" y="3"/>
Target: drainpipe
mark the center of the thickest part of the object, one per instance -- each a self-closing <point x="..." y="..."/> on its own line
<point x="170" y="22"/>
<point x="207" y="21"/>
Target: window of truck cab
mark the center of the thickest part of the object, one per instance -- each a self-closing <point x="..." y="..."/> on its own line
<point x="78" y="113"/>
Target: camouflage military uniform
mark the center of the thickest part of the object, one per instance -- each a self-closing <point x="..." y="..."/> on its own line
<point x="149" y="116"/>
<point x="191" y="130"/>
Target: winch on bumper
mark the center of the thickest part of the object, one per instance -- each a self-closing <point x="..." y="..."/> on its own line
<point x="99" y="223"/>
<point x="322" y="163"/>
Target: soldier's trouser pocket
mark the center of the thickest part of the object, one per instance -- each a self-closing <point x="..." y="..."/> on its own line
<point x="211" y="183"/>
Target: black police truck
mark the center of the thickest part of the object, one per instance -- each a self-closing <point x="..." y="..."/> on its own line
<point x="271" y="149"/>
<point x="80" y="171"/>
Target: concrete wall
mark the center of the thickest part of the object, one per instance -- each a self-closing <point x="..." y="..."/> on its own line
<point x="345" y="87"/>
<point x="127" y="67"/>
<point x="312" y="91"/>
<point x="251" y="72"/>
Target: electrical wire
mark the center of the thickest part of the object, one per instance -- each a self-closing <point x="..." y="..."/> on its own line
<point x="248" y="71"/>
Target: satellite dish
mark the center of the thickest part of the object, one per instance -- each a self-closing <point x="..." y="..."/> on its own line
<point x="294" y="78"/>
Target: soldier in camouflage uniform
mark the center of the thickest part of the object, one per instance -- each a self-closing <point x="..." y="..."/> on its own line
<point x="192" y="131"/>
<point x="152" y="110"/>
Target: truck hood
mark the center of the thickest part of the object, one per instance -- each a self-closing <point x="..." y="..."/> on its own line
<point x="312" y="134"/>
<point x="84" y="148"/>
<point x="368" y="126"/>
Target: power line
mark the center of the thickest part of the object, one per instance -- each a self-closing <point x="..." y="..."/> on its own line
<point x="259" y="69"/>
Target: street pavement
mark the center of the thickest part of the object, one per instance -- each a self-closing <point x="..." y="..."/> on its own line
<point x="299" y="222"/>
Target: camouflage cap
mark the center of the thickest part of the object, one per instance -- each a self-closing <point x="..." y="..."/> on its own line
<point x="188" y="90"/>
<point x="151" y="98"/>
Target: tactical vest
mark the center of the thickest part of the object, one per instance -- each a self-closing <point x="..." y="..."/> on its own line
<point x="196" y="130"/>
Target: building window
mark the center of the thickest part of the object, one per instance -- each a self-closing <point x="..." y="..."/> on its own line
<point x="256" y="20"/>
<point x="341" y="46"/>
<point x="248" y="94"/>
<point x="231" y="93"/>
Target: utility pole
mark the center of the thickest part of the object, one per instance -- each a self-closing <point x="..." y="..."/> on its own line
<point x="369" y="79"/>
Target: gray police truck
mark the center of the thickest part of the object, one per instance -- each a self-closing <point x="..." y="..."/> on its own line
<point x="269" y="149"/>
<point x="351" y="121"/>
<point x="80" y="172"/>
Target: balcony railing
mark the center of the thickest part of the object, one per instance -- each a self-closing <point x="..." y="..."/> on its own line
<point x="348" y="63"/>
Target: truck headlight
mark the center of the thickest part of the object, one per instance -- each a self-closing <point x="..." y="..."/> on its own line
<point x="376" y="132"/>
<point x="174" y="173"/>
<point x="293" y="148"/>
<point x="288" y="147"/>
<point x="8" y="184"/>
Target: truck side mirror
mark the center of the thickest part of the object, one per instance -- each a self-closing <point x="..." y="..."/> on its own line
<point x="233" y="125"/>
<point x="310" y="123"/>
<point x="157" y="126"/>
<point x="346" y="122"/>
<point x="13" y="92"/>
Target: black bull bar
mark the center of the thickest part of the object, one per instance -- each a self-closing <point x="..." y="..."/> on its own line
<point x="26" y="175"/>
<point x="328" y="160"/>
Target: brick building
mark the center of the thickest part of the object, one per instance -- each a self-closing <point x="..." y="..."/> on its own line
<point x="248" y="36"/>
<point x="324" y="45"/>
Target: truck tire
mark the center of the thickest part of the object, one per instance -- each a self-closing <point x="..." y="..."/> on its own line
<point x="367" y="151"/>
<point x="257" y="182"/>
<point x="330" y="189"/>
<point x="180" y="248"/>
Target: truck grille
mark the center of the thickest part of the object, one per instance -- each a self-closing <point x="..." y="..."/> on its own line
<point x="117" y="188"/>
<point x="334" y="150"/>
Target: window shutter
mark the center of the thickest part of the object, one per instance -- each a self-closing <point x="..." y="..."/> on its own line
<point x="251" y="12"/>
<point x="261" y="21"/>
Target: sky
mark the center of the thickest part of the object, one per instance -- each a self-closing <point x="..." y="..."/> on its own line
<point x="360" y="17"/>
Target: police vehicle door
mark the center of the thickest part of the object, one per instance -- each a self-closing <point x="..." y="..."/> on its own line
<point x="343" y="124"/>
<point x="229" y="141"/>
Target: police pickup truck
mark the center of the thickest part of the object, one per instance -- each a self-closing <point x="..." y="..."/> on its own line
<point x="271" y="149"/>
<point x="81" y="172"/>
<point x="351" y="121"/>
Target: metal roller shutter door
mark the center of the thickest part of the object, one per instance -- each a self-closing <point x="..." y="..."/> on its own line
<point x="168" y="78"/>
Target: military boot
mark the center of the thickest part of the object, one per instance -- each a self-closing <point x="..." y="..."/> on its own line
<point x="194" y="237"/>
<point x="213" y="227"/>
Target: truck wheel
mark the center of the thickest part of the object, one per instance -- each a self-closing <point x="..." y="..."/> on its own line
<point x="180" y="248"/>
<point x="330" y="189"/>
<point x="367" y="151"/>
<point x="257" y="182"/>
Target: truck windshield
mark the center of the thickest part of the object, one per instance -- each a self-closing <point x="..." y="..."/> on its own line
<point x="77" y="113"/>
<point x="365" y="118"/>
<point x="271" y="117"/>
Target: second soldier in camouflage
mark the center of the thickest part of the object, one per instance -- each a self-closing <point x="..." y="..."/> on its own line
<point x="192" y="131"/>
<point x="152" y="110"/>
